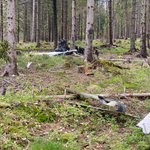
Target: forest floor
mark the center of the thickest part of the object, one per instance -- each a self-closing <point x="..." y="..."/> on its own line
<point x="31" y="119"/>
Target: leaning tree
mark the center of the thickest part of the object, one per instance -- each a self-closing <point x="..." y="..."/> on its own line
<point x="11" y="65"/>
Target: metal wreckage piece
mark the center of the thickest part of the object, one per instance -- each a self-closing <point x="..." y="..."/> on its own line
<point x="105" y="100"/>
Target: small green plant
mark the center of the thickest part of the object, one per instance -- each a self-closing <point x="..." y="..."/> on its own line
<point x="4" y="48"/>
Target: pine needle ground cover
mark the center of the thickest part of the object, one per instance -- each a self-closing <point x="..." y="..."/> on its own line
<point x="30" y="120"/>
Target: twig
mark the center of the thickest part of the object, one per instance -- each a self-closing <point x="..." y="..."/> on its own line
<point x="6" y="81"/>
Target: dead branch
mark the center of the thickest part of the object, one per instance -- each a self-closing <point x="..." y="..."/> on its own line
<point x="73" y="96"/>
<point x="106" y="111"/>
<point x="127" y="95"/>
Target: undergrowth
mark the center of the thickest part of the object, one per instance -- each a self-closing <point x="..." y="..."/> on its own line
<point x="36" y="121"/>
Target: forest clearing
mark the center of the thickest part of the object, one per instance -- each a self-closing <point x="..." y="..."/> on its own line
<point x="74" y="75"/>
<point x="31" y="112"/>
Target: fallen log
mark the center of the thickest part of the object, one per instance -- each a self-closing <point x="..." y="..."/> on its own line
<point x="125" y="95"/>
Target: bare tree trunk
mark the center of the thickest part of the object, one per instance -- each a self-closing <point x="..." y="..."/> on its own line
<point x="132" y="45"/>
<point x="126" y="15"/>
<point x="66" y="20"/>
<point x="148" y="25"/>
<point x="50" y="27"/>
<point x="81" y="28"/>
<point x="18" y="22"/>
<point x="37" y="24"/>
<point x="31" y="7"/>
<point x="55" y="23"/>
<point x="73" y="30"/>
<point x="85" y="26"/>
<point x="110" y="24"/>
<point x="47" y="23"/>
<point x="62" y="19"/>
<point x="120" y="26"/>
<point x="88" y="55"/>
<point x="136" y="19"/>
<point x="33" y="16"/>
<point x="43" y="29"/>
<point x="143" y="51"/>
<point x="113" y="20"/>
<point x="25" y="23"/>
<point x="11" y="66"/>
<point x="2" y="19"/>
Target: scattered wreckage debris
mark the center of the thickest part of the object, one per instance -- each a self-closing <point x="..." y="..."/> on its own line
<point x="63" y="47"/>
<point x="145" y="124"/>
<point x="104" y="100"/>
<point x="51" y="54"/>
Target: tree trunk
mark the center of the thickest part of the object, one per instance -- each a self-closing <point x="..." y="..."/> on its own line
<point x="126" y="15"/>
<point x="110" y="24"/>
<point x="33" y="16"/>
<point x="2" y="19"/>
<point x="25" y="23"/>
<point x="132" y="45"/>
<point x="37" y="24"/>
<point x="47" y="23"/>
<point x="81" y="28"/>
<point x="143" y="51"/>
<point x="85" y="25"/>
<point x="18" y="22"/>
<point x="43" y="29"/>
<point x="62" y="19"/>
<point x="55" y="23"/>
<point x="120" y="29"/>
<point x="66" y="20"/>
<point x="88" y="55"/>
<point x="73" y="30"/>
<point x="148" y="25"/>
<point x="11" y="66"/>
<point x="136" y="19"/>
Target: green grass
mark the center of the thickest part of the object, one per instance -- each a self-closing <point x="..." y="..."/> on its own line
<point x="40" y="144"/>
<point x="56" y="124"/>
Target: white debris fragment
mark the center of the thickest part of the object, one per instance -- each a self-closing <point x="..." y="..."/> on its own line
<point x="54" y="53"/>
<point x="145" y="124"/>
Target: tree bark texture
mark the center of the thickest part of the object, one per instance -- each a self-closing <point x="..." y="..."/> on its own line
<point x="126" y="17"/>
<point x="33" y="17"/>
<point x="132" y="44"/>
<point x="148" y="24"/>
<point x="110" y="23"/>
<point x="66" y="20"/>
<point x="18" y="22"/>
<point x="73" y="30"/>
<point x="88" y="55"/>
<point x="25" y="23"/>
<point x="37" y="24"/>
<point x="2" y="19"/>
<point x="55" y="23"/>
<point x="11" y="66"/>
<point x="143" y="51"/>
<point x="62" y="20"/>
